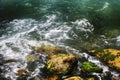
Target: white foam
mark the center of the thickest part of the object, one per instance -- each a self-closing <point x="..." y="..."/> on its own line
<point x="16" y="43"/>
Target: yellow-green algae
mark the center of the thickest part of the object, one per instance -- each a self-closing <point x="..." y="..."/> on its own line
<point x="110" y="56"/>
<point x="89" y="67"/>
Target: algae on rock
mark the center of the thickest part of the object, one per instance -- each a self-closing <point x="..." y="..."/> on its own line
<point x="61" y="63"/>
<point x="110" y="56"/>
<point x="89" y="67"/>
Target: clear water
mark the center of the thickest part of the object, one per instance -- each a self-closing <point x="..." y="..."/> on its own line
<point x="73" y="24"/>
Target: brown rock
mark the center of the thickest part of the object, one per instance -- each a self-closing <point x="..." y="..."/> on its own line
<point x="21" y="72"/>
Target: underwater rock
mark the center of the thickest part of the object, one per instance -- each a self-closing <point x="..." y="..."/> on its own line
<point x="89" y="67"/>
<point x="55" y="77"/>
<point x="9" y="60"/>
<point x="49" y="50"/>
<point x="110" y="56"/>
<point x="74" y="78"/>
<point x="61" y="63"/>
<point x="31" y="58"/>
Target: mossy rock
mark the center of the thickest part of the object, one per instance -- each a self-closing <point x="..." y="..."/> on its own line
<point x="110" y="56"/>
<point x="89" y="67"/>
<point x="61" y="63"/>
<point x="49" y="50"/>
<point x="74" y="78"/>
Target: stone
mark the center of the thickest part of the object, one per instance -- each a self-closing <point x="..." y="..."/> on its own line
<point x="21" y="72"/>
<point x="61" y="63"/>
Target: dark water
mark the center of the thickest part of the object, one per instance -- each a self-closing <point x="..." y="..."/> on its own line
<point x="80" y="24"/>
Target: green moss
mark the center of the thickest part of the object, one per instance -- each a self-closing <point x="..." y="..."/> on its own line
<point x="90" y="67"/>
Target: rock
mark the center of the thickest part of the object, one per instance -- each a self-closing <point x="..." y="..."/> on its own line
<point x="110" y="56"/>
<point x="74" y="78"/>
<point x="89" y="67"/>
<point x="61" y="63"/>
<point x="21" y="72"/>
<point x="49" y="50"/>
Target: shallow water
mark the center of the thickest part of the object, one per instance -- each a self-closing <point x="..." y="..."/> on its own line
<point x="73" y="24"/>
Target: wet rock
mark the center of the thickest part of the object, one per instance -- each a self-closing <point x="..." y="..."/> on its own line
<point x="89" y="67"/>
<point x="74" y="78"/>
<point x="21" y="72"/>
<point x="49" y="50"/>
<point x="110" y="56"/>
<point x="61" y="63"/>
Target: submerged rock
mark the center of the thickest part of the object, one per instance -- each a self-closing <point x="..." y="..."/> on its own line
<point x="31" y="58"/>
<point x="61" y="63"/>
<point x="110" y="56"/>
<point x="89" y="67"/>
<point x="9" y="60"/>
<point x="49" y="50"/>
